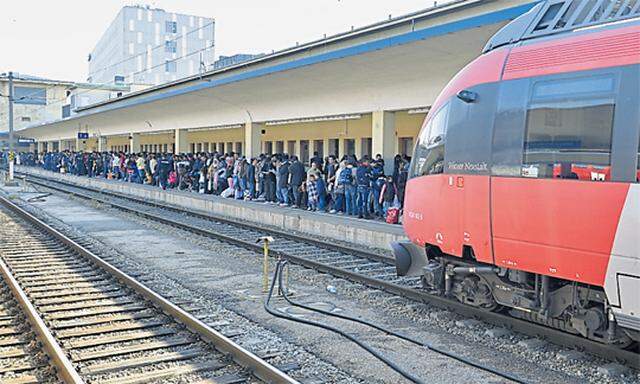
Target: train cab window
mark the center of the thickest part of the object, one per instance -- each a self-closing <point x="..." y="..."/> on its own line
<point x="429" y="152"/>
<point x="569" y="140"/>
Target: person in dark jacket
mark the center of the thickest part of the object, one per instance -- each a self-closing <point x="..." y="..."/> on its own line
<point x="164" y="167"/>
<point x="283" y="182"/>
<point x="387" y="194"/>
<point x="296" y="178"/>
<point x="363" y="183"/>
<point x="251" y="177"/>
<point x="377" y="181"/>
<point x="316" y="159"/>
<point x="402" y="181"/>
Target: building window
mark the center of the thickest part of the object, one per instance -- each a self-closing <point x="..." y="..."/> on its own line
<point x="170" y="66"/>
<point x="334" y="145"/>
<point x="171" y="26"/>
<point x="132" y="26"/>
<point x="170" y="46"/>
<point x="28" y="95"/>
<point x="304" y="151"/>
<point x="25" y="119"/>
<point x="349" y="147"/>
<point x="366" y="147"/>
<point x="131" y="48"/>
<point x="405" y="145"/>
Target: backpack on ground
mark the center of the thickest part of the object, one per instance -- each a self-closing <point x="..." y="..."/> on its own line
<point x="393" y="214"/>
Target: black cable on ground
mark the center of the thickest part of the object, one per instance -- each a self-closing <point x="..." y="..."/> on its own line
<point x="277" y="275"/>
<point x="38" y="198"/>
<point x="441" y="351"/>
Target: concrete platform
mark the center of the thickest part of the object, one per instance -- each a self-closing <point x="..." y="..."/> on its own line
<point x="352" y="230"/>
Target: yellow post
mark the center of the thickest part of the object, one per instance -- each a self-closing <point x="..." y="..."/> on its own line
<point x="265" y="262"/>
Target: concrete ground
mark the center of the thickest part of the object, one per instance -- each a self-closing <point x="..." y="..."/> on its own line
<point x="233" y="277"/>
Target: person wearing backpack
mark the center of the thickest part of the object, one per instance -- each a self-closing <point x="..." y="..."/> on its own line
<point x="387" y="194"/>
<point x="346" y="181"/>
<point x="363" y="181"/>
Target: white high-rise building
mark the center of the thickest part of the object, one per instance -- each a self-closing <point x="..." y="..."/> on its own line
<point x="144" y="45"/>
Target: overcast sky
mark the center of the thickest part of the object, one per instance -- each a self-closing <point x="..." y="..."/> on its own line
<point x="53" y="38"/>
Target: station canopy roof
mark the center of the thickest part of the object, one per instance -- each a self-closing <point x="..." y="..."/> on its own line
<point x="398" y="64"/>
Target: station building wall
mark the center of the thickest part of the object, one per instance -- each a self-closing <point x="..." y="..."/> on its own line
<point x="216" y="139"/>
<point x="352" y="135"/>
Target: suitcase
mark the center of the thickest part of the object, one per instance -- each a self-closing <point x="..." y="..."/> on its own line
<point x="393" y="214"/>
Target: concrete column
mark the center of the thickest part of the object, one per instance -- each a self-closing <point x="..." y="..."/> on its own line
<point x="325" y="144"/>
<point x="102" y="143"/>
<point x="297" y="148"/>
<point x="182" y="146"/>
<point x="41" y="146"/>
<point x="80" y="145"/>
<point x="134" y="143"/>
<point x="358" y="147"/>
<point x="252" y="133"/>
<point x="383" y="137"/>
<point x="341" y="148"/>
<point x="312" y="147"/>
<point x="62" y="145"/>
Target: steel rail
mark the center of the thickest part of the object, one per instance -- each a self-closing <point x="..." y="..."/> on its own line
<point x="258" y="367"/>
<point x="64" y="368"/>
<point x="555" y="336"/>
<point x="208" y="216"/>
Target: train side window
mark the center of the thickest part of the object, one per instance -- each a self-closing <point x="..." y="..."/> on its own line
<point x="569" y="140"/>
<point x="429" y="152"/>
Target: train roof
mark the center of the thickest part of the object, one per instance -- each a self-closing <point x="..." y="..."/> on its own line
<point x="559" y="16"/>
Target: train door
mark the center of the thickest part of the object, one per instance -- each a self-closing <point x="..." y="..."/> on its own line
<point x="467" y="160"/>
<point x="449" y="202"/>
<point x="433" y="214"/>
<point x="557" y="187"/>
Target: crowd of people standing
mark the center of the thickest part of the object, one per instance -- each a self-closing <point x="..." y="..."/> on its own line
<point x="350" y="186"/>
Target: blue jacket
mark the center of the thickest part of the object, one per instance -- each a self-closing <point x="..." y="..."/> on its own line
<point x="363" y="176"/>
<point x="346" y="176"/>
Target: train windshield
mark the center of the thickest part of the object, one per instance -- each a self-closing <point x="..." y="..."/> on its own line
<point x="428" y="158"/>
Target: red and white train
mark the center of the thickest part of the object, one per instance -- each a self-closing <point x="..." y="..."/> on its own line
<point x="524" y="192"/>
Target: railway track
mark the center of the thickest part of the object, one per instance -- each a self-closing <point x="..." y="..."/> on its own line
<point x="22" y="358"/>
<point x="105" y="326"/>
<point x="358" y="265"/>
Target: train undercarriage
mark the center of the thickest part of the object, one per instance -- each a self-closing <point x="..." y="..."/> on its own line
<point x="566" y="305"/>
